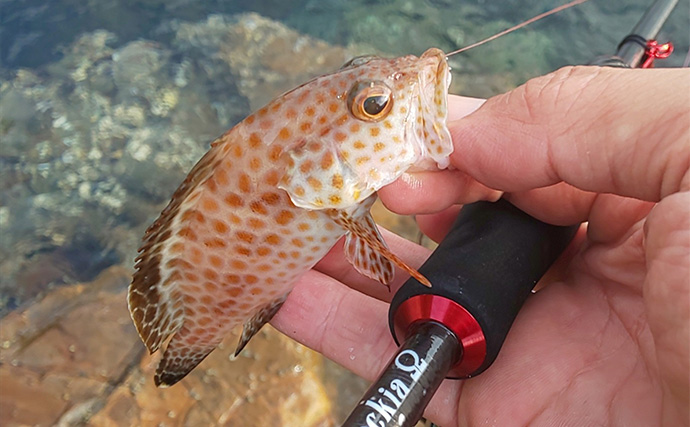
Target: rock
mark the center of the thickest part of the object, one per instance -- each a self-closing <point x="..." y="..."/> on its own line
<point x="74" y="358"/>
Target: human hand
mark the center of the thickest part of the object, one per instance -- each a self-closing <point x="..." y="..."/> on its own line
<point x="607" y="339"/>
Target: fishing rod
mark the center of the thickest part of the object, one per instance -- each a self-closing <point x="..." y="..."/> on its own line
<point x="481" y="274"/>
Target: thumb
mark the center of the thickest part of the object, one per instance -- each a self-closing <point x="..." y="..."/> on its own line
<point x="598" y="129"/>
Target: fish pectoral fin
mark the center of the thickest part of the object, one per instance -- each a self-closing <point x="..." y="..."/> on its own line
<point x="182" y="354"/>
<point x="366" y="259"/>
<point x="317" y="177"/>
<point x="362" y="227"/>
<point x="257" y="321"/>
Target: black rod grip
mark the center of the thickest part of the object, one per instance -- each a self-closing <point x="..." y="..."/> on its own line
<point x="488" y="263"/>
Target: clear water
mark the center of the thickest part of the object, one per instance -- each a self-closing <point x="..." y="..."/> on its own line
<point x="105" y="105"/>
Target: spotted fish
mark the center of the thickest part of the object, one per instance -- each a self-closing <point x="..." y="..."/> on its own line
<point x="275" y="193"/>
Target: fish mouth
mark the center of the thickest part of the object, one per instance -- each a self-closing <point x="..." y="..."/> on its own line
<point x="434" y="143"/>
<point x="436" y="81"/>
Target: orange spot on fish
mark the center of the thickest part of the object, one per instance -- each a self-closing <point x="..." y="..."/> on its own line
<point x="245" y="236"/>
<point x="326" y="160"/>
<point x="232" y="279"/>
<point x="215" y="261"/>
<point x="361" y="160"/>
<point x="214" y="243"/>
<point x="358" y="145"/>
<point x="306" y="166"/>
<point x="273" y="239"/>
<point x="314" y="183"/>
<point x="221" y="177"/>
<point x="374" y="131"/>
<point x="272" y="178"/>
<point x="187" y="233"/>
<point x="256" y="224"/>
<point x="284" y="133"/>
<point x="285" y="217"/>
<point x="237" y="151"/>
<point x="254" y="140"/>
<point x="258" y="208"/>
<point x="379" y="146"/>
<point x="196" y="256"/>
<point x="191" y="277"/>
<point x="243" y="250"/>
<point x="244" y="183"/>
<point x="270" y="198"/>
<point x="220" y="226"/>
<point x="210" y="274"/>
<point x="337" y="181"/>
<point x="275" y="153"/>
<point x="263" y="251"/>
<point x="234" y="200"/>
<point x="234" y="218"/>
<point x="238" y="265"/>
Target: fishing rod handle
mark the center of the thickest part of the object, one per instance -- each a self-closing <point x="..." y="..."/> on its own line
<point x="481" y="274"/>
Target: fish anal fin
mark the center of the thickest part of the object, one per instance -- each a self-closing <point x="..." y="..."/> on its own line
<point x="180" y="357"/>
<point x="363" y="227"/>
<point x="257" y="321"/>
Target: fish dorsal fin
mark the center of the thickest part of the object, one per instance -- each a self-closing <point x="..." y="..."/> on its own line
<point x="317" y="177"/>
<point x="363" y="228"/>
<point x="257" y="321"/>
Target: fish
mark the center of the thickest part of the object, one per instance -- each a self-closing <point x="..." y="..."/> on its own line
<point x="275" y="193"/>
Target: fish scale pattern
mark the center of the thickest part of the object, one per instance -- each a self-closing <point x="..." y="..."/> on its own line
<point x="275" y="193"/>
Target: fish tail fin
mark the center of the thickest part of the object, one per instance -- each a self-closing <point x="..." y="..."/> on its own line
<point x="182" y="354"/>
<point x="257" y="321"/>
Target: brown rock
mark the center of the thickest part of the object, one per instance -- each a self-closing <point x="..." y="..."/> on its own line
<point x="74" y="358"/>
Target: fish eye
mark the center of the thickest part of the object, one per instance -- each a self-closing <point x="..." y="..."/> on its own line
<point x="370" y="101"/>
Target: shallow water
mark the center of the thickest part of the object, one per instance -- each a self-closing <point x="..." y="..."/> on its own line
<point x="104" y="106"/>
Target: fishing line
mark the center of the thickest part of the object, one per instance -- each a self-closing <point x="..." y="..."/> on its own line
<point x="517" y="27"/>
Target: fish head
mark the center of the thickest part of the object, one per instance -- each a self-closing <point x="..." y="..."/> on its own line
<point x="372" y="120"/>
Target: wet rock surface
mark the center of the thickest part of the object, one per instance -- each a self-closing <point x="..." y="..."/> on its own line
<point x="74" y="358"/>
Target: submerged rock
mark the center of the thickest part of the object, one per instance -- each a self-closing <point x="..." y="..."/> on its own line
<point x="96" y="143"/>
